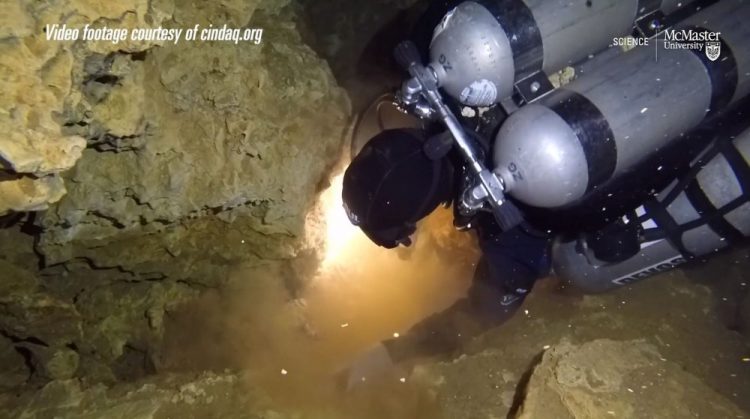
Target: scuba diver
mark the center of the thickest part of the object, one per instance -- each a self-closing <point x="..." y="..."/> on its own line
<point x="391" y="185"/>
<point x="631" y="169"/>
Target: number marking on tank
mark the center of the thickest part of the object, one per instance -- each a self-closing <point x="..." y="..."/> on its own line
<point x="513" y="168"/>
<point x="443" y="60"/>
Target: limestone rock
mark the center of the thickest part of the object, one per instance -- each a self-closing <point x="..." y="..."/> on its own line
<point x="14" y="21"/>
<point x="218" y="132"/>
<point x="225" y="395"/>
<point x="30" y="194"/>
<point x="40" y="325"/>
<point x="344" y="36"/>
<point x="147" y="153"/>
<point x="15" y="280"/>
<point x="688" y="334"/>
<point x="37" y="81"/>
<point x="34" y="85"/>
<point x="158" y="165"/>
<point x="39" y="316"/>
<point x="14" y="372"/>
<point x="358" y="39"/>
<point x="18" y="263"/>
<point x="624" y="379"/>
<point x="597" y="379"/>
<point x="51" y="363"/>
<point x="123" y="314"/>
<point x="471" y="387"/>
<point x="62" y="364"/>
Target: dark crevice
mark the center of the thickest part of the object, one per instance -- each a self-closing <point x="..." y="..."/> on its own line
<point x="10" y="175"/>
<point x="93" y="266"/>
<point x="133" y="364"/>
<point x="133" y="276"/>
<point x="16" y="339"/>
<point x="11" y="220"/>
<point x="76" y="123"/>
<point x="153" y="276"/>
<point x="5" y="164"/>
<point x="193" y="284"/>
<point x="143" y="221"/>
<point x="139" y="56"/>
<point x="28" y="358"/>
<point x="520" y="395"/>
<point x="106" y="79"/>
<point x="78" y="295"/>
<point x="29" y="225"/>
<point x="132" y="195"/>
<point x="113" y="144"/>
<point x="115" y="223"/>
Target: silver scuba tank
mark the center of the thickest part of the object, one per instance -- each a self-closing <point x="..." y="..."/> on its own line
<point x="482" y="48"/>
<point x="704" y="212"/>
<point x="552" y="153"/>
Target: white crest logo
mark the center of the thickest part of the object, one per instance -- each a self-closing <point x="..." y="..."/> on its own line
<point x="713" y="50"/>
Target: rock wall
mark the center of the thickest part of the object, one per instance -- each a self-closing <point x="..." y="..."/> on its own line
<point x="625" y="379"/>
<point x="595" y="379"/>
<point x="35" y="81"/>
<point x="169" y="396"/>
<point x="357" y="40"/>
<point x="157" y="167"/>
<point x="569" y="355"/>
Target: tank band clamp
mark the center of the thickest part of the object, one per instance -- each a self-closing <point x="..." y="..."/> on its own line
<point x="533" y="87"/>
<point x="649" y="25"/>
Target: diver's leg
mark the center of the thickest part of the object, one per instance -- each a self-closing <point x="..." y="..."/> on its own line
<point x="515" y="259"/>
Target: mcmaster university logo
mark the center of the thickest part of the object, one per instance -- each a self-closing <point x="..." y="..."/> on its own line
<point x="713" y="50"/>
<point x="695" y="39"/>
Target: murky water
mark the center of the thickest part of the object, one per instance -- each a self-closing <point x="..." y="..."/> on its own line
<point x="360" y="295"/>
<point x="294" y="345"/>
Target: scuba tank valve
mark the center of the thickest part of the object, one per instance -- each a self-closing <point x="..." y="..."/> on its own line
<point x="423" y="86"/>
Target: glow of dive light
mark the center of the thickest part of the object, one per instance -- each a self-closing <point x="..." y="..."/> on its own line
<point x="339" y="231"/>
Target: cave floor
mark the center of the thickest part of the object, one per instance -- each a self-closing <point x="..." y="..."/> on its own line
<point x="275" y="356"/>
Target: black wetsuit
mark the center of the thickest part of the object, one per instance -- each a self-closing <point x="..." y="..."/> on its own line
<point x="511" y="261"/>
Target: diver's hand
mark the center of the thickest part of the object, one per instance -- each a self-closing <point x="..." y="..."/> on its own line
<point x="372" y="363"/>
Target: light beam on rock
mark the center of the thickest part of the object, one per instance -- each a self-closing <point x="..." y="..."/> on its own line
<point x="339" y="231"/>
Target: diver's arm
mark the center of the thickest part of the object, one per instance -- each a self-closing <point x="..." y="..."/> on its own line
<point x="512" y="261"/>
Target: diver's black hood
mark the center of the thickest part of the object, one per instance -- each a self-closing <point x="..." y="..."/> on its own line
<point x="391" y="184"/>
